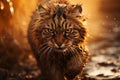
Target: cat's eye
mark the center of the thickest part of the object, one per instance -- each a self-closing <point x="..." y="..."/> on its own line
<point x="68" y="30"/>
<point x="47" y="30"/>
<point x="50" y="30"/>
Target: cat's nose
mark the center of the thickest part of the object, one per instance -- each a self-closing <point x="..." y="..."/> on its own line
<point x="59" y="39"/>
<point x="59" y="44"/>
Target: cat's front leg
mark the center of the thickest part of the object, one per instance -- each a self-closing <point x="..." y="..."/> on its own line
<point x="52" y="74"/>
<point x="73" y="75"/>
<point x="74" y="68"/>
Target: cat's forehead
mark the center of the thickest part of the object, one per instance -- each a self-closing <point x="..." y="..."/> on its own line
<point x="60" y="15"/>
<point x="62" y="24"/>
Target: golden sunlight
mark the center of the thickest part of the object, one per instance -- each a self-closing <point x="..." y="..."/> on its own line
<point x="103" y="39"/>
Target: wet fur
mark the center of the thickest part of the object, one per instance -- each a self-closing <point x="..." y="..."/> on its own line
<point x="57" y="65"/>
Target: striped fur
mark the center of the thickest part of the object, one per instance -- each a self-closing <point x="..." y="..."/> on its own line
<point x="56" y="36"/>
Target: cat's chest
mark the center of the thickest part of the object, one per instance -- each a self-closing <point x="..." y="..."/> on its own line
<point x="60" y="59"/>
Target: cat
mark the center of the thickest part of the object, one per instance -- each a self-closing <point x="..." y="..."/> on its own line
<point x="56" y="36"/>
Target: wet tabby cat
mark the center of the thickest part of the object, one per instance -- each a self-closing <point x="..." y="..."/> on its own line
<point x="56" y="36"/>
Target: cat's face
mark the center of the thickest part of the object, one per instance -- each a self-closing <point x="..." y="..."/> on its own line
<point x="58" y="30"/>
<point x="61" y="37"/>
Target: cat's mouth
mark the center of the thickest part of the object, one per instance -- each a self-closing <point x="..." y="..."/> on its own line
<point x="60" y="49"/>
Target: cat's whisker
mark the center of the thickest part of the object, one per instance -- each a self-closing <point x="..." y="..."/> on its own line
<point x="50" y="50"/>
<point x="42" y="45"/>
<point x="42" y="49"/>
<point x="44" y="53"/>
<point x="46" y="50"/>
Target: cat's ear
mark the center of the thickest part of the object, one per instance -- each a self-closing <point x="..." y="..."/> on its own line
<point x="77" y="9"/>
<point x="42" y="10"/>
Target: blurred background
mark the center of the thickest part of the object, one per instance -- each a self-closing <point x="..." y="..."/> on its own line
<point x="103" y="40"/>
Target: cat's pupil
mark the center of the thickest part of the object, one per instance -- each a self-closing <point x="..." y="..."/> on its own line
<point x="68" y="30"/>
<point x="50" y="30"/>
